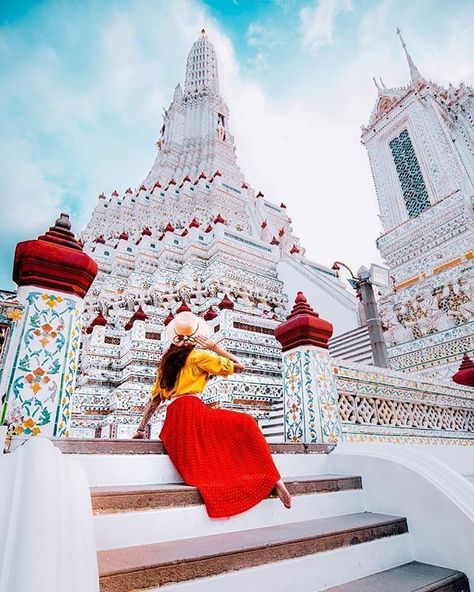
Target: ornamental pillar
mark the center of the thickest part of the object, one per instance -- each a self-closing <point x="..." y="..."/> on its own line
<point x="311" y="412"/>
<point x="53" y="275"/>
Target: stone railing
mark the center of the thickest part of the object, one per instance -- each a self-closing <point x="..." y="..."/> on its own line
<point x="385" y="405"/>
<point x="326" y="400"/>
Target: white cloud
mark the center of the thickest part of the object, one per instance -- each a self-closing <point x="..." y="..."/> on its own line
<point x="301" y="147"/>
<point x="318" y="23"/>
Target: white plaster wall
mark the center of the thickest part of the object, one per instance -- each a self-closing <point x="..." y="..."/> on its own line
<point x="437" y="502"/>
<point x="320" y="299"/>
<point x="458" y="458"/>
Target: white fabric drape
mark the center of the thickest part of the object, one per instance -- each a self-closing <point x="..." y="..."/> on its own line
<point x="46" y="525"/>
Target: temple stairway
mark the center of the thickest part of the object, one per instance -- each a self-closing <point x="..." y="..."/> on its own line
<point x="152" y="531"/>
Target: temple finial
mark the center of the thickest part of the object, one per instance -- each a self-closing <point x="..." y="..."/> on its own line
<point x="414" y="72"/>
<point x="203" y="33"/>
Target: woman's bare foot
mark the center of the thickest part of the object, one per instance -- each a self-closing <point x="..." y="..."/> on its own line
<point x="283" y="493"/>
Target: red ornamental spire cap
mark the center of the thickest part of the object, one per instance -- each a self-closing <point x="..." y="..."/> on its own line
<point x="168" y="319"/>
<point x="55" y="261"/>
<point x="123" y="236"/>
<point x="115" y="193"/>
<point x="102" y="195"/>
<point x="244" y="186"/>
<point x="142" y="188"/>
<point x="186" y="179"/>
<point x="185" y="232"/>
<point x="202" y="176"/>
<point x="194" y="223"/>
<point x="219" y="219"/>
<point x="217" y="174"/>
<point x="169" y="227"/>
<point x="282" y="205"/>
<point x="183" y="307"/>
<point x="129" y="190"/>
<point x="303" y="327"/>
<point x="138" y="315"/>
<point x="226" y="303"/>
<point x="100" y="239"/>
<point x="208" y="229"/>
<point x="210" y="315"/>
<point x="274" y="241"/>
<point x="281" y="232"/>
<point x="172" y="182"/>
<point x="99" y="321"/>
<point x="465" y="374"/>
<point x="264" y="224"/>
<point x="259" y="194"/>
<point x="146" y="231"/>
<point x="294" y="249"/>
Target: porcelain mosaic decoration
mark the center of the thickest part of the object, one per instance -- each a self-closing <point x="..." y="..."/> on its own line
<point x="310" y="397"/>
<point x="40" y="389"/>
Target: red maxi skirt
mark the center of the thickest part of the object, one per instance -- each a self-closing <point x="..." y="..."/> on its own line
<point x="222" y="453"/>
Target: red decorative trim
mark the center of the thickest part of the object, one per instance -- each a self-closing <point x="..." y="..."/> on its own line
<point x="138" y="315"/>
<point x="465" y="374"/>
<point x="226" y="303"/>
<point x="210" y="314"/>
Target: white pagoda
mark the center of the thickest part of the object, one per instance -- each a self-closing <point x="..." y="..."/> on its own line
<point x="420" y="142"/>
<point x="193" y="235"/>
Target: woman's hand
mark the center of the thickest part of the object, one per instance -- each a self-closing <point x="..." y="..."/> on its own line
<point x="138" y="435"/>
<point x="205" y="342"/>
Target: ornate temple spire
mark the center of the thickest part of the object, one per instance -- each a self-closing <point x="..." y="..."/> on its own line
<point x="414" y="72"/>
<point x="201" y="68"/>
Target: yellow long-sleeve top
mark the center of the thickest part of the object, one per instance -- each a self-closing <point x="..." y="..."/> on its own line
<point x="194" y="375"/>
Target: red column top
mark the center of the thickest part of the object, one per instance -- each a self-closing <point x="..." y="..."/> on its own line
<point x="55" y="261"/>
<point x="303" y="327"/>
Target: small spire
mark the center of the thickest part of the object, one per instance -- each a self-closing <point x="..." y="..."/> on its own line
<point x="203" y="33"/>
<point x="376" y="84"/>
<point x="414" y="73"/>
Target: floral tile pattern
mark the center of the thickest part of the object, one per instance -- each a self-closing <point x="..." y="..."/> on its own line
<point x="45" y="355"/>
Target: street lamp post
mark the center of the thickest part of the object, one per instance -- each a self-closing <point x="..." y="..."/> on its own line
<point x="363" y="284"/>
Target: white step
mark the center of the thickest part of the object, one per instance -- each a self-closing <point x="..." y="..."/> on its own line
<point x="143" y="469"/>
<point x="311" y="573"/>
<point x="153" y="526"/>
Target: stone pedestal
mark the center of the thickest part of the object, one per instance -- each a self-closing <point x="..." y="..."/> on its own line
<point x="53" y="275"/>
<point x="311" y="413"/>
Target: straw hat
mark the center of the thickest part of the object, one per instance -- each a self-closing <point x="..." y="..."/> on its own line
<point x="185" y="326"/>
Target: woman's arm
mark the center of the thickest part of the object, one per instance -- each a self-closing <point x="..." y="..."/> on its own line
<point x="148" y="412"/>
<point x="207" y="343"/>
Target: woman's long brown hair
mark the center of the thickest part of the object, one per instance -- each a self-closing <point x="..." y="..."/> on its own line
<point x="171" y="364"/>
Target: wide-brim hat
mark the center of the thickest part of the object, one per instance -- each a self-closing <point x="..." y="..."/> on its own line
<point x="185" y="326"/>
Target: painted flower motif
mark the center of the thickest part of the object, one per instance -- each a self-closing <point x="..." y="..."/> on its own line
<point x="36" y="378"/>
<point x="28" y="428"/>
<point x="15" y="314"/>
<point x="52" y="300"/>
<point x="46" y="332"/>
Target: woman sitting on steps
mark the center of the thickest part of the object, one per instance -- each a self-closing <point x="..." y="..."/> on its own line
<point x="223" y="453"/>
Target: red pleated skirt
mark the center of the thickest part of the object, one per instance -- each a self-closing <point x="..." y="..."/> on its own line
<point x="223" y="453"/>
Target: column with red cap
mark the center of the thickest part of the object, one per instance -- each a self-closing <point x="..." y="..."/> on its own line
<point x="311" y="412"/>
<point x="53" y="275"/>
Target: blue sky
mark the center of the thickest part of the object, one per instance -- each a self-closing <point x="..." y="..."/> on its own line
<point x="84" y="84"/>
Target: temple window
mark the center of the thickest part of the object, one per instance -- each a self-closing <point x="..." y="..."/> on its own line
<point x="409" y="173"/>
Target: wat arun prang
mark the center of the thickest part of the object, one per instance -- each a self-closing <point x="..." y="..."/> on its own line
<point x="196" y="235"/>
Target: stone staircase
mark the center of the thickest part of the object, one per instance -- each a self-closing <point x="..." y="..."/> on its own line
<point x="152" y="531"/>
<point x="353" y="346"/>
<point x="273" y="427"/>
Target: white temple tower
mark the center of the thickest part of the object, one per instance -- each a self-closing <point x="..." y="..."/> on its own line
<point x="193" y="234"/>
<point x="420" y="142"/>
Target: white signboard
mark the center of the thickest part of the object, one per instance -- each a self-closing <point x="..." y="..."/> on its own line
<point x="379" y="275"/>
